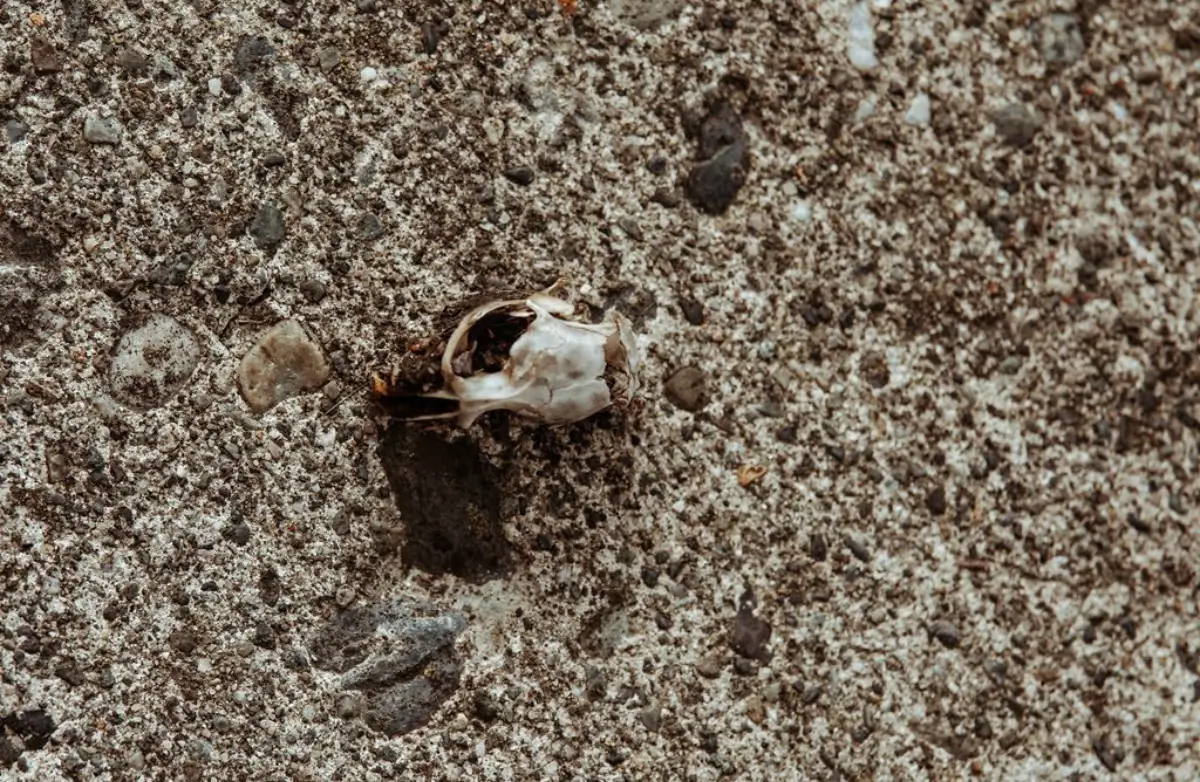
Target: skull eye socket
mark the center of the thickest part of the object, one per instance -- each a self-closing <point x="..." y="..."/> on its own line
<point x="490" y="340"/>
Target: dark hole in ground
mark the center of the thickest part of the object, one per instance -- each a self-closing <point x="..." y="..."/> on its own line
<point x="449" y="500"/>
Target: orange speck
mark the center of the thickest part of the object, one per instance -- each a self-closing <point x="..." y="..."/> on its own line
<point x="748" y="474"/>
<point x="569" y="7"/>
<point x="37" y="19"/>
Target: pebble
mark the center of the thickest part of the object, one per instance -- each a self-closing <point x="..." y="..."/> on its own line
<point x="136" y="761"/>
<point x="182" y="641"/>
<point x="713" y="183"/>
<point x="710" y="667"/>
<point x="919" y="111"/>
<point x="151" y="363"/>
<point x="253" y="52"/>
<point x="935" y="501"/>
<point x="861" y="38"/>
<point x="313" y="290"/>
<point x="132" y="61"/>
<point x="274" y="159"/>
<point x="946" y="633"/>
<point x="631" y="228"/>
<point x="1060" y="39"/>
<point x="519" y="175"/>
<point x="666" y="198"/>
<point x="15" y="130"/>
<point x="368" y="74"/>
<point x="686" y="389"/>
<point x="105" y="130"/>
<point x="368" y="228"/>
<point x="43" y="57"/>
<point x="646" y="14"/>
<point x="285" y="362"/>
<point x="860" y="552"/>
<point x="750" y="635"/>
<point x="651" y="716"/>
<point x="328" y="59"/>
<point x="693" y="311"/>
<point x="267" y="227"/>
<point x="1016" y="124"/>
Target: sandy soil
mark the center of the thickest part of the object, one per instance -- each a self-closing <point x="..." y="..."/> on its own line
<point x="921" y="505"/>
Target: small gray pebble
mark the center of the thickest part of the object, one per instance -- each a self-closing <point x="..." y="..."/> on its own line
<point x="519" y="175"/>
<point x="328" y="59"/>
<point x="946" y="634"/>
<point x="1061" y="39"/>
<point x="349" y="707"/>
<point x="368" y="227"/>
<point x="1016" y="124"/>
<point x="631" y="228"/>
<point x="651" y="716"/>
<point x="709" y="667"/>
<point x="105" y="130"/>
<point x="686" y="389"/>
<point x="267" y="227"/>
<point x="15" y="130"/>
<point x="313" y="290"/>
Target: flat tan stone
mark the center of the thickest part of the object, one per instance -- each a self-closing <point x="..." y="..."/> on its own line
<point x="286" y="362"/>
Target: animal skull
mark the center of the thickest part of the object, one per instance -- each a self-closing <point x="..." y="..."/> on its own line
<point x="555" y="370"/>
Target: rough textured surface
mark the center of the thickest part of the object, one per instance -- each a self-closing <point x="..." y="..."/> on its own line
<point x="965" y="351"/>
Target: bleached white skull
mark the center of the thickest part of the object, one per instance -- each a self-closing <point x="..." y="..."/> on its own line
<point x="556" y="371"/>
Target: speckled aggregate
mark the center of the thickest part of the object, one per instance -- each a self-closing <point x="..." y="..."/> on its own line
<point x="964" y="352"/>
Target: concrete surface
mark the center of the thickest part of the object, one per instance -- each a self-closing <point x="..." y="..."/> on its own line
<point x="923" y="506"/>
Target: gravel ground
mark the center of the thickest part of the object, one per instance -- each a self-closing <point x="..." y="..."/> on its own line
<point x="909" y="492"/>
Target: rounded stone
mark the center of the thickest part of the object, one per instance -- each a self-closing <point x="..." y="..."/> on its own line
<point x="151" y="363"/>
<point x="284" y="363"/>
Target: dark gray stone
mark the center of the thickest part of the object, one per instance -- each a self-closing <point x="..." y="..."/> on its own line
<point x="725" y="160"/>
<point x="1017" y="124"/>
<point x="750" y="635"/>
<point x="946" y="634"/>
<point x="687" y="388"/>
<point x="520" y="175"/>
<point x="267" y="227"/>
<point x="15" y="130"/>
<point x="1060" y="38"/>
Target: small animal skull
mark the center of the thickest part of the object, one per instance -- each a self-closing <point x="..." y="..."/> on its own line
<point x="528" y="356"/>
